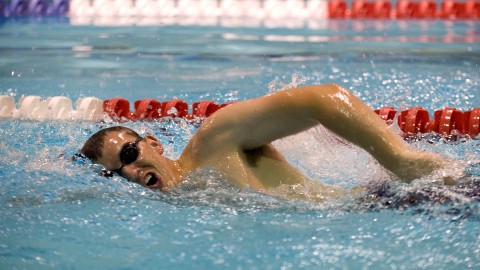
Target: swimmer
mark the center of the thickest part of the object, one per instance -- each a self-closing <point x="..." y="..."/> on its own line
<point x="236" y="141"/>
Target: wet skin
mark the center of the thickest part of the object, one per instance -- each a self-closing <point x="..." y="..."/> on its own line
<point x="236" y="141"/>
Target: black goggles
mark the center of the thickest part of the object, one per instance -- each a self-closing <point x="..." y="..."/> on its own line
<point x="128" y="154"/>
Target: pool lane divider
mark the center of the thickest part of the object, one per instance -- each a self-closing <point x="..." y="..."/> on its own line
<point x="334" y="9"/>
<point x="448" y="122"/>
<point x="94" y="109"/>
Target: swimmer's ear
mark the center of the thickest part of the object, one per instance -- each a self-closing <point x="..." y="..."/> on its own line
<point x="153" y="141"/>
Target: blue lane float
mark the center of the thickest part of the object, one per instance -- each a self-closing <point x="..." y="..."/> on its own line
<point x="22" y="8"/>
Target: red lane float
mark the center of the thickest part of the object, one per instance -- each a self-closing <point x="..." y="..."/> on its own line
<point x="382" y="9"/>
<point x="147" y="109"/>
<point x="413" y="121"/>
<point x="472" y="9"/>
<point x="472" y="122"/>
<point x="425" y="9"/>
<point x="118" y="109"/>
<point x="404" y="9"/>
<point x="446" y="122"/>
<point x="175" y="108"/>
<point x="204" y="108"/>
<point x="469" y="9"/>
<point x="337" y="9"/>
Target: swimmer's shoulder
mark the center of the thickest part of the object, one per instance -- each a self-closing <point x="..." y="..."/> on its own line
<point x="204" y="148"/>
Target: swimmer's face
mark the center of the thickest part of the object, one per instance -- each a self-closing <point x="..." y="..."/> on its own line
<point x="138" y="160"/>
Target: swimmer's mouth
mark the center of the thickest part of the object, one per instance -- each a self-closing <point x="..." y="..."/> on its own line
<point x="152" y="181"/>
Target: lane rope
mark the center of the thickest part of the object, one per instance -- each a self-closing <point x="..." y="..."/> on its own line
<point x="447" y="122"/>
<point x="317" y="9"/>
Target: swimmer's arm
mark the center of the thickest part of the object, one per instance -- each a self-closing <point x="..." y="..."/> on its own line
<point x="256" y="122"/>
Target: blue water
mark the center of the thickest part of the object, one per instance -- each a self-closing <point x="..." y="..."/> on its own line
<point x="56" y="214"/>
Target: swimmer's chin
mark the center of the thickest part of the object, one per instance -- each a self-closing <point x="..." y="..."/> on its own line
<point x="154" y="181"/>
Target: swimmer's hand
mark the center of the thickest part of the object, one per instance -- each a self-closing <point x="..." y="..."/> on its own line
<point x="433" y="167"/>
<point x="450" y="172"/>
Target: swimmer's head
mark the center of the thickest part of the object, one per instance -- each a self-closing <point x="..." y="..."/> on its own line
<point x="93" y="147"/>
<point x="124" y="151"/>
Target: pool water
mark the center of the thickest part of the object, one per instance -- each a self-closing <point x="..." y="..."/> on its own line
<point x="56" y="214"/>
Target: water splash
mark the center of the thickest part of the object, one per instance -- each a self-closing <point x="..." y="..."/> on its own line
<point x="277" y="85"/>
<point x="326" y="158"/>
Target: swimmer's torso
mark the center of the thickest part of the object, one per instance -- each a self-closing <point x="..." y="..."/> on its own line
<point x="263" y="168"/>
<point x="260" y="168"/>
